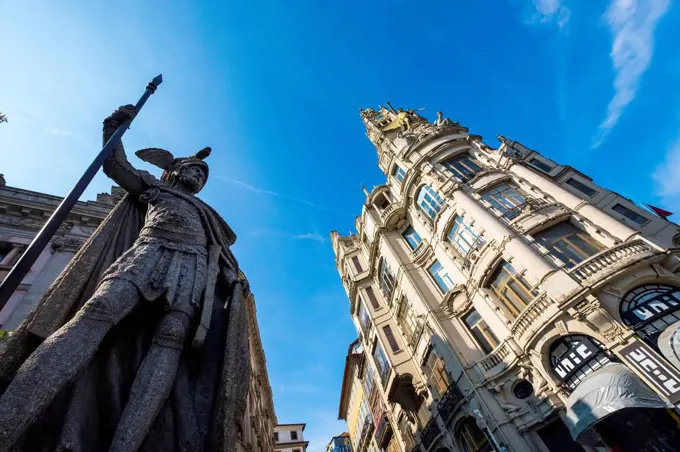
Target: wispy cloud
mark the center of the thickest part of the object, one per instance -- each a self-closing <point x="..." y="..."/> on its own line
<point x="312" y="236"/>
<point x="262" y="191"/>
<point x="57" y="132"/>
<point x="632" y="24"/>
<point x="667" y="178"/>
<point x="549" y="11"/>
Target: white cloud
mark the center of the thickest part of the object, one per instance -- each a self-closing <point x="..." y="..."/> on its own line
<point x="667" y="178"/>
<point x="57" y="132"/>
<point x="632" y="24"/>
<point x="550" y="11"/>
<point x="309" y="236"/>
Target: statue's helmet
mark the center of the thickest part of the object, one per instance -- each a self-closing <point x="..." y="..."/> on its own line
<point x="171" y="165"/>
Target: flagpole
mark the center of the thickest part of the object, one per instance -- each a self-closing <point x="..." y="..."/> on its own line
<point x="42" y="239"/>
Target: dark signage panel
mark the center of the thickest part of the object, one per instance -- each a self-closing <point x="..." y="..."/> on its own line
<point x="662" y="376"/>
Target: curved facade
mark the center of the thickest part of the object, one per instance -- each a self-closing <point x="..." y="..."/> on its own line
<point x="487" y="284"/>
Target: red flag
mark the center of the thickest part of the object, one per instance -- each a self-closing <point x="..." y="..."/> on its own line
<point x="660" y="212"/>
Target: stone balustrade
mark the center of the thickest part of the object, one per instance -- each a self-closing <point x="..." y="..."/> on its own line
<point x="496" y="357"/>
<point x="610" y="260"/>
<point x="530" y="314"/>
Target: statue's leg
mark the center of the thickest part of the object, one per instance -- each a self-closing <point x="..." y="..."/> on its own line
<point x="153" y="382"/>
<point x="61" y="357"/>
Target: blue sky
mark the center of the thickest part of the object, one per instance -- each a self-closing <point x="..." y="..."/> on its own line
<point x="275" y="88"/>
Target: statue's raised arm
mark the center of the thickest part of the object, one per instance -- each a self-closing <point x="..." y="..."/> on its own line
<point x="117" y="166"/>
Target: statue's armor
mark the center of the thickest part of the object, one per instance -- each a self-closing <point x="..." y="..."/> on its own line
<point x="169" y="258"/>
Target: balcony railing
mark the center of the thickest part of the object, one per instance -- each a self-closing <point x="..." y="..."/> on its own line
<point x="496" y="357"/>
<point x="530" y="314"/>
<point x="429" y="434"/>
<point x="529" y="204"/>
<point x="610" y="260"/>
<point x="449" y="402"/>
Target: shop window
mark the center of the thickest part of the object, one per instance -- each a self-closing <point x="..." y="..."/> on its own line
<point x="471" y="437"/>
<point x="575" y="356"/>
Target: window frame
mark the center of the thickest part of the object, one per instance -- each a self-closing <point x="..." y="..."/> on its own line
<point x="408" y="234"/>
<point x="565" y="247"/>
<point x="293" y="432"/>
<point x="408" y="320"/>
<point x="386" y="277"/>
<point x="631" y="211"/>
<point x="439" y="279"/>
<point x="436" y="371"/>
<point x="435" y="204"/>
<point x="356" y="262"/>
<point x="462" y="166"/>
<point x="391" y="339"/>
<point x="461" y="231"/>
<point x="581" y="187"/>
<point x="519" y="281"/>
<point x="640" y="297"/>
<point x="541" y="165"/>
<point x="483" y="334"/>
<point x="397" y="171"/>
<point x="507" y="206"/>
<point x="381" y="361"/>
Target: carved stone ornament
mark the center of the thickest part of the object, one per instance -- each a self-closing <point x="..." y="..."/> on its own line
<point x="591" y="312"/>
<point x="67" y="244"/>
<point x="2" y="180"/>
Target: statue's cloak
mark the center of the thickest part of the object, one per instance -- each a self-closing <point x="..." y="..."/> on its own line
<point x="205" y="409"/>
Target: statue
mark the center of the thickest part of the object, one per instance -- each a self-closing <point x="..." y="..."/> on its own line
<point x="402" y="121"/>
<point x="441" y="121"/>
<point x="141" y="343"/>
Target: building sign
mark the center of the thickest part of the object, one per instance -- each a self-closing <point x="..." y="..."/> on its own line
<point x="649" y="309"/>
<point x="659" y="374"/>
<point x="570" y="359"/>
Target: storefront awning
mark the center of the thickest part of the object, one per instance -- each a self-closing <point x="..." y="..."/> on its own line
<point x="609" y="389"/>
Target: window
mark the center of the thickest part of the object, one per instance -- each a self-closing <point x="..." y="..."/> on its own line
<point x="511" y="288"/>
<point x="463" y="237"/>
<point x="568" y="243"/>
<point x="505" y="199"/>
<point x="441" y="277"/>
<point x="472" y="438"/>
<point x="541" y="165"/>
<point x="391" y="339"/>
<point x="297" y="450"/>
<point x="386" y="279"/>
<point x="364" y="319"/>
<point x="435" y="369"/>
<point x="381" y="362"/>
<point x="398" y="173"/>
<point x="412" y="237"/>
<point x="429" y="201"/>
<point x="462" y="166"/>
<point x="479" y="328"/>
<point x="276" y="437"/>
<point x="626" y="212"/>
<point x="372" y="298"/>
<point x="575" y="356"/>
<point x="357" y="264"/>
<point x="580" y="186"/>
<point x="293" y="435"/>
<point x="408" y="321"/>
<point x="649" y="309"/>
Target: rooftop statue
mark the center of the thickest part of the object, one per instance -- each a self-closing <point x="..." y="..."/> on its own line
<point x="141" y="343"/>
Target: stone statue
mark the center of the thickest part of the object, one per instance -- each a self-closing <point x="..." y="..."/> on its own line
<point x="142" y="342"/>
<point x="441" y="121"/>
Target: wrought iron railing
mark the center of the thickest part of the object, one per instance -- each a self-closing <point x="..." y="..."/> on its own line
<point x="429" y="434"/>
<point x="449" y="402"/>
<point x="511" y="213"/>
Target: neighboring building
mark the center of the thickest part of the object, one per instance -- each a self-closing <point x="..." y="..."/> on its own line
<point x="290" y="438"/>
<point x="22" y="214"/>
<point x="494" y="292"/>
<point x="340" y="443"/>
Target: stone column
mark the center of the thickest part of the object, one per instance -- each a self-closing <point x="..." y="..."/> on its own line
<point x="12" y="255"/>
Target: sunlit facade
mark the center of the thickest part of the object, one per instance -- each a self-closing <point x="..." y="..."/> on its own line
<point x="493" y="288"/>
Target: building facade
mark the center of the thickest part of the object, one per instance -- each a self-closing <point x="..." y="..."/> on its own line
<point x="340" y="443"/>
<point x="495" y="291"/>
<point x="290" y="438"/>
<point x="22" y="214"/>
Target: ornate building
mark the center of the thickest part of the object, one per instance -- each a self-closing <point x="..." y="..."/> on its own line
<point x="505" y="302"/>
<point x="22" y="214"/>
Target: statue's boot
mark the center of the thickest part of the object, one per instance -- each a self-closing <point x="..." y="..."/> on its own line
<point x="153" y="383"/>
<point x="60" y="358"/>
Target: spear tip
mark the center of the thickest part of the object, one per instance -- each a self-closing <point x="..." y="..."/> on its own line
<point x="157" y="80"/>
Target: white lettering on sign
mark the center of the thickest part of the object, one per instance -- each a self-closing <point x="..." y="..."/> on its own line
<point x="659" y="374"/>
<point x="582" y="352"/>
<point x="653" y="308"/>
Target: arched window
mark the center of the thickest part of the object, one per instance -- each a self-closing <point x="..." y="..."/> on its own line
<point x="649" y="309"/>
<point x="429" y="201"/>
<point x="575" y="356"/>
<point x="471" y="437"/>
<point x="463" y="166"/>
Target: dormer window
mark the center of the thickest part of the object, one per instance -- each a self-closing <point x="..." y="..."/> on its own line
<point x="398" y="173"/>
<point x="429" y="201"/>
<point x="540" y="165"/>
<point x="463" y="166"/>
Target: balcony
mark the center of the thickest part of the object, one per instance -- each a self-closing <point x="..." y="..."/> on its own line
<point x="499" y="359"/>
<point x="529" y="316"/>
<point x="450" y="402"/>
<point x="392" y="214"/>
<point x="607" y="262"/>
<point x="429" y="434"/>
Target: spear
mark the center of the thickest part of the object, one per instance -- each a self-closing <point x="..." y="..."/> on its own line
<point x="24" y="264"/>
